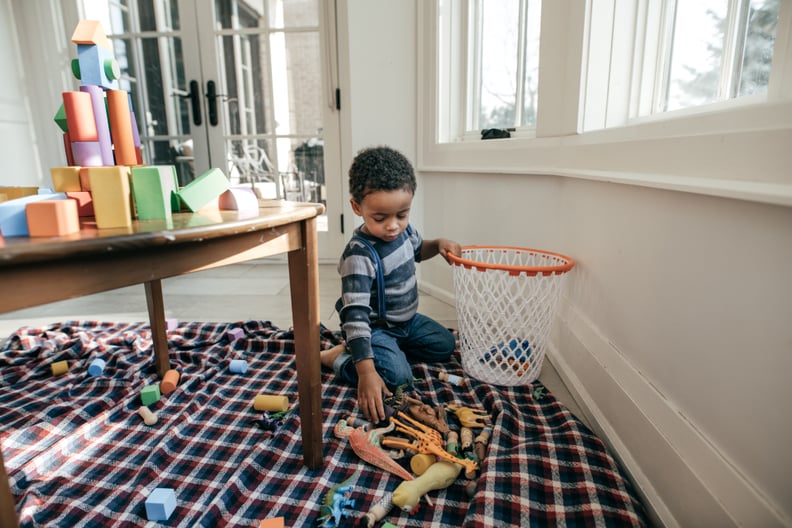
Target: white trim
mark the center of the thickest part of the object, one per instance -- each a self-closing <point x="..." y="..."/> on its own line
<point x="674" y="465"/>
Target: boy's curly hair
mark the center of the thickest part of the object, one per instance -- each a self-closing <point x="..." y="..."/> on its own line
<point x="380" y="169"/>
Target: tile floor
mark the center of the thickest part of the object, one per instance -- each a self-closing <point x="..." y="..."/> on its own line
<point x="257" y="290"/>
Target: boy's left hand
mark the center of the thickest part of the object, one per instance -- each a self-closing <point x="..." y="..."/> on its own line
<point x="445" y="246"/>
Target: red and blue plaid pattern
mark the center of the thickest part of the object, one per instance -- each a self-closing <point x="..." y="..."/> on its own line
<point x="78" y="454"/>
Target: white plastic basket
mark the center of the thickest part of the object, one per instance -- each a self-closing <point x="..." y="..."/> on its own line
<point x="506" y="300"/>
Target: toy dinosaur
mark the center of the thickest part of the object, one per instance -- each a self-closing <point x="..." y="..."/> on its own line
<point x="470" y="417"/>
<point x="366" y="444"/>
<point x="439" y="475"/>
<point x="426" y="415"/>
<point x="336" y="501"/>
<point x="427" y="441"/>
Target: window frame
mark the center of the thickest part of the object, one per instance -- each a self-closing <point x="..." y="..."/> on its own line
<point x="735" y="149"/>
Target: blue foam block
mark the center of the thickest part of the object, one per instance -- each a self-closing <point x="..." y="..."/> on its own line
<point x="13" y="221"/>
<point x="160" y="504"/>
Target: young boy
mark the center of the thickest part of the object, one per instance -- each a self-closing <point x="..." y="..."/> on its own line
<point x="381" y="333"/>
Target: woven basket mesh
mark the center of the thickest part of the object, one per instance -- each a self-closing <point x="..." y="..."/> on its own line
<point x="504" y="316"/>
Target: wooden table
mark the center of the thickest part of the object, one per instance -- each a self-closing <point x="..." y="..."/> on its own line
<point x="35" y="271"/>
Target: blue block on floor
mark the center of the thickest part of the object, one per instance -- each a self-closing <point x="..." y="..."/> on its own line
<point x="160" y="504"/>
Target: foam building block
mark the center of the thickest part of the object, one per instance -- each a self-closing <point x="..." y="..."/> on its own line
<point x="84" y="202"/>
<point x="80" y="116"/>
<point x="169" y="382"/>
<point x="3" y="197"/>
<point x="160" y="504"/>
<point x="238" y="366"/>
<point x="13" y="218"/>
<point x="96" y="367"/>
<point x="50" y="218"/>
<point x="60" y="367"/>
<point x="102" y="123"/>
<point x="121" y="127"/>
<point x="91" y="32"/>
<point x="60" y="119"/>
<point x="96" y="66"/>
<point x="272" y="522"/>
<point x="18" y="192"/>
<point x="154" y="188"/>
<point x="149" y="394"/>
<point x="65" y="179"/>
<point x="111" y="196"/>
<point x="87" y="153"/>
<point x="242" y="199"/>
<point x="203" y="189"/>
<point x="235" y="333"/>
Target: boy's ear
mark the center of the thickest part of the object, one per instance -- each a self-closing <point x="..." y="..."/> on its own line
<point x="355" y="207"/>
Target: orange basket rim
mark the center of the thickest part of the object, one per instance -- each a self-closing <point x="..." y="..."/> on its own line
<point x="561" y="268"/>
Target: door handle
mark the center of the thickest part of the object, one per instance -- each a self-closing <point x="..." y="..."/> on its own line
<point x="211" y="95"/>
<point x="194" y="95"/>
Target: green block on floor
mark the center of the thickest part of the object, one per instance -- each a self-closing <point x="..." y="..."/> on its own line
<point x="202" y="190"/>
<point x="154" y="188"/>
<point x="150" y="394"/>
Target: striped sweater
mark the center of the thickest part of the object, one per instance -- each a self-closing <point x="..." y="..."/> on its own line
<point x="358" y="304"/>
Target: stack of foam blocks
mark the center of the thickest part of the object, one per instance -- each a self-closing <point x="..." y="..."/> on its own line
<point x="105" y="177"/>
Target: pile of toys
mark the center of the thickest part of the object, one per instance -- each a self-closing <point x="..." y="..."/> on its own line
<point x="442" y="443"/>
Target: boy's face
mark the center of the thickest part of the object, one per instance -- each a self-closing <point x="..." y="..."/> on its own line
<point x="385" y="214"/>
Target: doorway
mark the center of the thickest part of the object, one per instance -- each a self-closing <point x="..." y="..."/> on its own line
<point x="247" y="86"/>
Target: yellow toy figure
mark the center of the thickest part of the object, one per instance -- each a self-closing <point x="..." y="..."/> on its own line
<point x="470" y="417"/>
<point x="439" y="475"/>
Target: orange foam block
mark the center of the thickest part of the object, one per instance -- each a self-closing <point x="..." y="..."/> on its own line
<point x="80" y="116"/>
<point x="111" y="196"/>
<point x="274" y="522"/>
<point x="84" y="202"/>
<point x="49" y="218"/>
<point x="91" y="32"/>
<point x="121" y="127"/>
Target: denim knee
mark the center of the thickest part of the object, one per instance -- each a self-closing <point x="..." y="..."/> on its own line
<point x="396" y="374"/>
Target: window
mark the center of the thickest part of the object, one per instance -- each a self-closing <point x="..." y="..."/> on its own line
<point x="501" y="61"/>
<point x="639" y="59"/>
<point x="666" y="55"/>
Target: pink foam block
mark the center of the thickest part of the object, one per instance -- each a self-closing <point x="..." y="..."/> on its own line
<point x="241" y="199"/>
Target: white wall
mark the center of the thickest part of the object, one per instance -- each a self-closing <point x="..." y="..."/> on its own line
<point x="382" y="83"/>
<point x="34" y="54"/>
<point x="674" y="329"/>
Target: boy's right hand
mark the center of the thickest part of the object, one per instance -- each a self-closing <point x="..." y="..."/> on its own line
<point x="371" y="387"/>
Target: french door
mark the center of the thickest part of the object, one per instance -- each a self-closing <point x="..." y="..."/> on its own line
<point x="247" y="86"/>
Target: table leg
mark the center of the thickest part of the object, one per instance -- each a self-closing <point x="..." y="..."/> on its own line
<point x="304" y="286"/>
<point x="159" y="329"/>
<point x="7" y="506"/>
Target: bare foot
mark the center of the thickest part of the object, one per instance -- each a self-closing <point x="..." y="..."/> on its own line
<point x="328" y="356"/>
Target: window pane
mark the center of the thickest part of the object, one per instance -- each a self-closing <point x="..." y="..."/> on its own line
<point x="530" y="84"/>
<point x="698" y="38"/>
<point x="759" y="42"/>
<point x="498" y="80"/>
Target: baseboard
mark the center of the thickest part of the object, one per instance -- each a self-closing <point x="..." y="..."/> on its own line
<point x="683" y="478"/>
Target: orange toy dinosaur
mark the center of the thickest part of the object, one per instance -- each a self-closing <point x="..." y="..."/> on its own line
<point x="428" y="441"/>
<point x="366" y="444"/>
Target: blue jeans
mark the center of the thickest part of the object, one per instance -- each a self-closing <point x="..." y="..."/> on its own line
<point x="419" y="339"/>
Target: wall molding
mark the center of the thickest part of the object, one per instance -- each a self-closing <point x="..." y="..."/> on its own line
<point x="683" y="477"/>
<point x="759" y="192"/>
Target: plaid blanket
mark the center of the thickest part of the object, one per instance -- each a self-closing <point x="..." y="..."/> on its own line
<point x="78" y="453"/>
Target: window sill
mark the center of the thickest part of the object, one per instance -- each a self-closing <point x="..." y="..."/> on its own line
<point x="741" y="153"/>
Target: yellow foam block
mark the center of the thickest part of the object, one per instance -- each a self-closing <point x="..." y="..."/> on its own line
<point x="65" y="179"/>
<point x="111" y="196"/>
<point x="270" y="403"/>
<point x="12" y="193"/>
<point x="60" y="367"/>
<point x="49" y="218"/>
